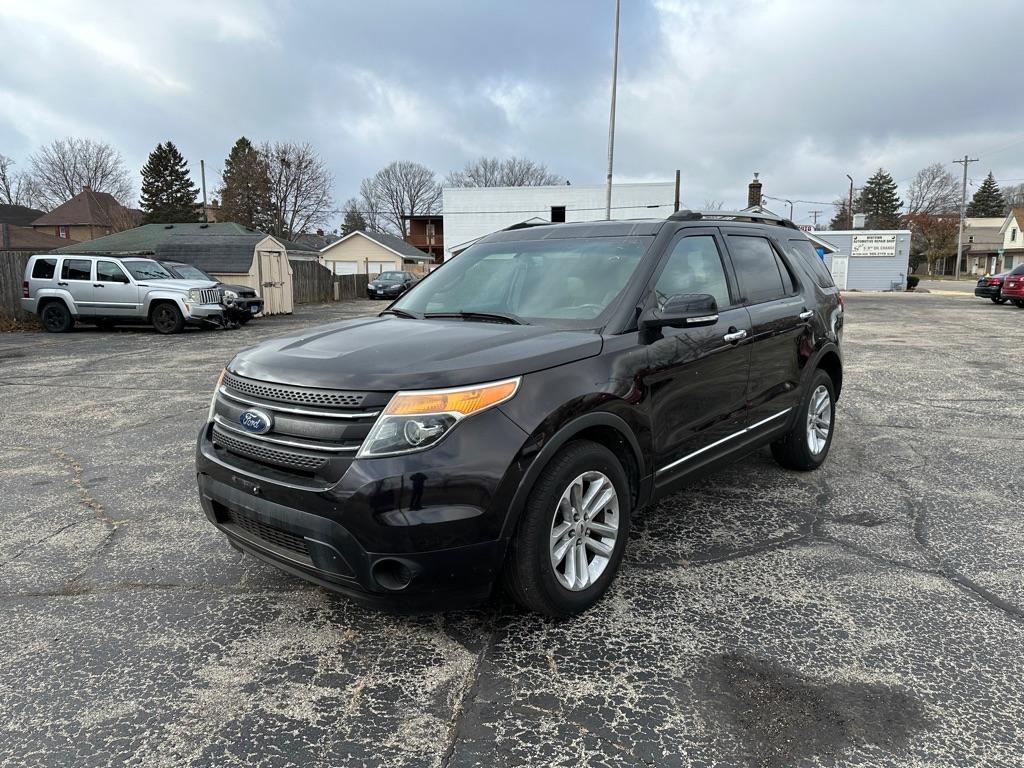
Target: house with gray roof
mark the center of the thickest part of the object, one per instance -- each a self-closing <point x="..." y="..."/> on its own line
<point x="366" y="252"/>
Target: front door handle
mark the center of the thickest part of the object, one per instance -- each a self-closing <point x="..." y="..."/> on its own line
<point x="806" y="315"/>
<point x="59" y="283"/>
<point x="733" y="336"/>
<point x="97" y="285"/>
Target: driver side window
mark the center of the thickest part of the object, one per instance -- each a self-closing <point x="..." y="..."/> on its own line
<point x="694" y="266"/>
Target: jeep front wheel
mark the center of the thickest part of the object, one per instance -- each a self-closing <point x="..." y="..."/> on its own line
<point x="166" y="318"/>
<point x="573" y="532"/>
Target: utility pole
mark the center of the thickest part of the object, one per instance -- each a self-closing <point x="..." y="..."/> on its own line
<point x="202" y="173"/>
<point x="815" y="215"/>
<point x="611" y="116"/>
<point x="963" y="209"/>
<point x="851" y="200"/>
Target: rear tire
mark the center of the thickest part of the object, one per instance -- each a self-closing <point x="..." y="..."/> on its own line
<point x="1019" y="303"/>
<point x="565" y="553"/>
<point x="166" y="318"/>
<point x="56" y="317"/>
<point x="806" y="445"/>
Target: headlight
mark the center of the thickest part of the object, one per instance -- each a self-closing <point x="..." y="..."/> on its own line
<point x="194" y="294"/>
<point x="216" y="389"/>
<point x="414" y="420"/>
<point x="229" y="297"/>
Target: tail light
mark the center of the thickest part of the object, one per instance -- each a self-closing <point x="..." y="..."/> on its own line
<point x="24" y="289"/>
<point x="994" y="281"/>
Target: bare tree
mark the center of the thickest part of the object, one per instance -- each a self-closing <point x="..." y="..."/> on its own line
<point x="397" y="190"/>
<point x="370" y="204"/>
<point x="933" y="191"/>
<point x="300" y="188"/>
<point x="17" y="187"/>
<point x="713" y="205"/>
<point x="511" y="172"/>
<point x="1014" y="196"/>
<point x="64" y="166"/>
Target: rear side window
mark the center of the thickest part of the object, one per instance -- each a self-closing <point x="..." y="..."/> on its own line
<point x="761" y="274"/>
<point x="44" y="268"/>
<point x="803" y="252"/>
<point x="76" y="269"/>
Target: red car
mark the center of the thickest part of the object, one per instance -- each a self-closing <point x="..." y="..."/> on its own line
<point x="1013" y="286"/>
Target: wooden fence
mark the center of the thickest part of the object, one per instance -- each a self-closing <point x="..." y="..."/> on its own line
<point x="313" y="283"/>
<point x="12" y="275"/>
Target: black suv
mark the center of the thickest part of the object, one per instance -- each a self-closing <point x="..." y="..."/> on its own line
<point x="504" y="418"/>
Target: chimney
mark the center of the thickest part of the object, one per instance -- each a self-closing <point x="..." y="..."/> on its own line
<point x="754" y="193"/>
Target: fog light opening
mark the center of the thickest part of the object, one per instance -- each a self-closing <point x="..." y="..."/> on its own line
<point x="392" y="575"/>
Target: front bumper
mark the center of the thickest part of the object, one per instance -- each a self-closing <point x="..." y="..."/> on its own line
<point x="244" y="308"/>
<point x="204" y="313"/>
<point x="419" y="530"/>
<point x="988" y="291"/>
<point x="387" y="293"/>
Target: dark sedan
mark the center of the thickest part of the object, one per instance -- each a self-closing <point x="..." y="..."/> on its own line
<point x="991" y="287"/>
<point x="241" y="301"/>
<point x="390" y="285"/>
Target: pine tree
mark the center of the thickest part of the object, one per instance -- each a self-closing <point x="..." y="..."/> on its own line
<point x="988" y="200"/>
<point x="245" y="189"/>
<point x="881" y="202"/>
<point x="168" y="193"/>
<point x="353" y="218"/>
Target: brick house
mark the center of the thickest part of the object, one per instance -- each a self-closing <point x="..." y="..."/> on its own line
<point x="86" y="216"/>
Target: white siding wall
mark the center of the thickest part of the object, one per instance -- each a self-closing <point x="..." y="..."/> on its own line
<point x="473" y="212"/>
<point x="872" y="274"/>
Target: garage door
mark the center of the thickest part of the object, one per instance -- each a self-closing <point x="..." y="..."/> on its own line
<point x="345" y="267"/>
<point x="374" y="268"/>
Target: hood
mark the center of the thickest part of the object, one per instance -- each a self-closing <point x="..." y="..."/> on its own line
<point x="179" y="285"/>
<point x="390" y="353"/>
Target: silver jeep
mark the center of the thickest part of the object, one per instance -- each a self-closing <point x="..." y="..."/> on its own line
<point x="107" y="290"/>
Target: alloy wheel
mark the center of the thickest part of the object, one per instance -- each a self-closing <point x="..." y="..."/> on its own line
<point x="819" y="420"/>
<point x="584" y="529"/>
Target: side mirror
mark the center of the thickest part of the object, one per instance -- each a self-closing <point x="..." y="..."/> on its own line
<point x="683" y="310"/>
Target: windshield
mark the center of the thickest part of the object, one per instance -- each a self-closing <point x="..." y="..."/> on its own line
<point x="566" y="283"/>
<point x="391" y="277"/>
<point x="146" y="269"/>
<point x="188" y="272"/>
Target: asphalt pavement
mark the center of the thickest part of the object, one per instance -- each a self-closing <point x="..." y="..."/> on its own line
<point x="867" y="614"/>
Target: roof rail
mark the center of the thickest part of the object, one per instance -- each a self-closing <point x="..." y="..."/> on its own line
<point x="685" y="215"/>
<point x="525" y="225"/>
<point x="749" y="216"/>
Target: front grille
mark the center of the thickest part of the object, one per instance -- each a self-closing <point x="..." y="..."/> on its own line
<point x="268" y="533"/>
<point x="210" y="296"/>
<point x="263" y="452"/>
<point x="296" y="395"/>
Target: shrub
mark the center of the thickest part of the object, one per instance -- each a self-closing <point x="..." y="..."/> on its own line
<point x="912" y="281"/>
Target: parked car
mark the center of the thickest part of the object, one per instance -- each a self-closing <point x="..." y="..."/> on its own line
<point x="390" y="285"/>
<point x="503" y="420"/>
<point x="107" y="290"/>
<point x="991" y="287"/>
<point x="240" y="301"/>
<point x="1013" y="286"/>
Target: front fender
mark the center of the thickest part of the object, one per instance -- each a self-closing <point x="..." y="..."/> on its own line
<point x="159" y="295"/>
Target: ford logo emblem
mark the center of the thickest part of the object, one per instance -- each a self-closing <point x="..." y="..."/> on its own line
<point x="257" y="422"/>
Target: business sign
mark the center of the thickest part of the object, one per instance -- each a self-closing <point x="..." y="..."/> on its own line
<point x="873" y="247"/>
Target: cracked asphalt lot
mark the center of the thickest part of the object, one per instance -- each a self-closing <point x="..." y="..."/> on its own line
<point x="870" y="613"/>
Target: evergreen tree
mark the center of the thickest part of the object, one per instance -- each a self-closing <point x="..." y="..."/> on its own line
<point x="168" y="193"/>
<point x="245" y="187"/>
<point x="353" y="218"/>
<point x="881" y="202"/>
<point x="988" y="200"/>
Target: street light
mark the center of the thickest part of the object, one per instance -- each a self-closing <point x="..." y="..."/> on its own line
<point x="851" y="200"/>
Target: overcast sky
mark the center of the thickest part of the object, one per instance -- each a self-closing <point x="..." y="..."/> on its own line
<point x="803" y="92"/>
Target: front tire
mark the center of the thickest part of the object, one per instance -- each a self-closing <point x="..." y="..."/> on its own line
<point x="806" y="445"/>
<point x="1019" y="303"/>
<point x="166" y="318"/>
<point x="999" y="300"/>
<point x="570" y="540"/>
<point x="56" y="317"/>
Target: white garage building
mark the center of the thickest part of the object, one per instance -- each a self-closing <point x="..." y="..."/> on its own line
<point x="364" y="252"/>
<point x="472" y="212"/>
<point x="868" y="259"/>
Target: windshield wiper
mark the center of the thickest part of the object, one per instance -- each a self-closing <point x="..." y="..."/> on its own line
<point x="400" y="313"/>
<point x="492" y="317"/>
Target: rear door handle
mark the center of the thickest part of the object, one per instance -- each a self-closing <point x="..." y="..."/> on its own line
<point x="735" y="336"/>
<point x="806" y="315"/>
<point x="59" y="283"/>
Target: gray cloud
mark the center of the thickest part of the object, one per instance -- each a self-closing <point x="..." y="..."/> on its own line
<point x="802" y="92"/>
